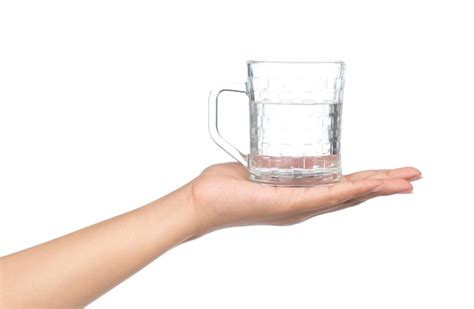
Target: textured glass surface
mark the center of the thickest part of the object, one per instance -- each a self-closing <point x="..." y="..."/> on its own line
<point x="295" y="122"/>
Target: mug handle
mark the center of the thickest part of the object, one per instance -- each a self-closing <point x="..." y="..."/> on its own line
<point x="213" y="120"/>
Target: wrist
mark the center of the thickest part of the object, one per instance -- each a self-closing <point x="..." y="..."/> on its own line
<point x="196" y="220"/>
<point x="177" y="210"/>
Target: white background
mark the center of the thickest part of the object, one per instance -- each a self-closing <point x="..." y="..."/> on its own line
<point x="103" y="108"/>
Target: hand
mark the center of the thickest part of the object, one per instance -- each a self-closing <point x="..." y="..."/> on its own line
<point x="53" y="274"/>
<point x="224" y="196"/>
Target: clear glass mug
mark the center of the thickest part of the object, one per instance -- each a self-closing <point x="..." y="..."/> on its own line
<point x="295" y="122"/>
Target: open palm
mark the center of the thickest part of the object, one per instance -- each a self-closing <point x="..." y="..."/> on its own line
<point x="224" y="196"/>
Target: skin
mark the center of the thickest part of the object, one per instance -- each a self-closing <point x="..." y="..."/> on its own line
<point x="75" y="269"/>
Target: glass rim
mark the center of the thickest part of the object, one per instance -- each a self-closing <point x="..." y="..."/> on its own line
<point x="295" y="62"/>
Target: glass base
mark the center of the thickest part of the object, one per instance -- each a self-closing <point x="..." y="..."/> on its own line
<point x="303" y="181"/>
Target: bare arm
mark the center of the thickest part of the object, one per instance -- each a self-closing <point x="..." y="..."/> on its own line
<point x="73" y="270"/>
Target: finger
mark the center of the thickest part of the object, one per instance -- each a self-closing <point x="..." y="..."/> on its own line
<point x="407" y="173"/>
<point x="390" y="187"/>
<point x="314" y="198"/>
<point x="233" y="169"/>
<point x="396" y="185"/>
<point x="404" y="172"/>
<point x="237" y="169"/>
<point x="363" y="175"/>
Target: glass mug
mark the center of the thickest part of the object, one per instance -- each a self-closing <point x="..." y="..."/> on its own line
<point x="295" y="122"/>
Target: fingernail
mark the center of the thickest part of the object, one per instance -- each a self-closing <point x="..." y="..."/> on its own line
<point x="418" y="177"/>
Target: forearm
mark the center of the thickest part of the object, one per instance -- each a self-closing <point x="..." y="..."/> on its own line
<point x="75" y="269"/>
